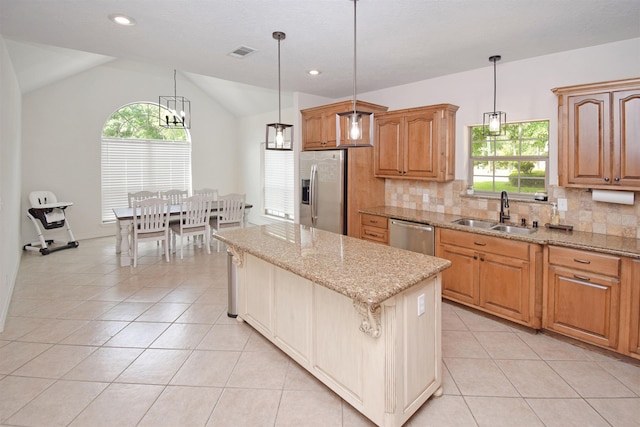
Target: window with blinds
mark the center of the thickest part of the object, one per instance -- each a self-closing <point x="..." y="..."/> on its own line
<point x="278" y="181"/>
<point x="138" y="154"/>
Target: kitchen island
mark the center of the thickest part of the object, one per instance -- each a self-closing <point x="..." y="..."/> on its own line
<point x="363" y="318"/>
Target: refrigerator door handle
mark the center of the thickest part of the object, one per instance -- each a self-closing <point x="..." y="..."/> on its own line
<point x="313" y="195"/>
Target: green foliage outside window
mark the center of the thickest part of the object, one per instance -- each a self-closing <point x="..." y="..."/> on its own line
<point x="515" y="162"/>
<point x="140" y="121"/>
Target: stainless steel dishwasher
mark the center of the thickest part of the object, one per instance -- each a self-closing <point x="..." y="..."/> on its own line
<point x="412" y="236"/>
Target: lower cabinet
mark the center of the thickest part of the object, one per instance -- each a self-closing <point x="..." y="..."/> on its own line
<point x="634" y="330"/>
<point x="493" y="274"/>
<point x="374" y="228"/>
<point x="583" y="295"/>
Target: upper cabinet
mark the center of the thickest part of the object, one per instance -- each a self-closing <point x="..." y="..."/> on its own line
<point x="599" y="135"/>
<point x="416" y="143"/>
<point x="319" y="124"/>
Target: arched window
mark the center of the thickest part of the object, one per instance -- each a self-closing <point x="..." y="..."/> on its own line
<point x="138" y="154"/>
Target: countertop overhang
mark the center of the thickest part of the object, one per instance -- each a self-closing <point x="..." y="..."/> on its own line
<point x="613" y="245"/>
<point x="368" y="273"/>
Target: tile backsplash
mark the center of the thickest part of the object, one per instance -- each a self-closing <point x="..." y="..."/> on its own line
<point x="583" y="213"/>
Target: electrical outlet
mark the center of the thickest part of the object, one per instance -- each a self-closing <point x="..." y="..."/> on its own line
<point x="425" y="198"/>
<point x="420" y="304"/>
<point x="562" y="205"/>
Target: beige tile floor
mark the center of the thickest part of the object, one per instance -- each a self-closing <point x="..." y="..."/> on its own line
<point x="88" y="343"/>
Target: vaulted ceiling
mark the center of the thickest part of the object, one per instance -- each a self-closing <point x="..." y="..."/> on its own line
<point x="399" y="41"/>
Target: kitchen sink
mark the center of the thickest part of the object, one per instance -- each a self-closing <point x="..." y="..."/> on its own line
<point x="512" y="229"/>
<point x="478" y="223"/>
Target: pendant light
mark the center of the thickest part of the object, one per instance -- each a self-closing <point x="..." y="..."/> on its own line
<point x="179" y="114"/>
<point x="494" y="123"/>
<point x="279" y="135"/>
<point x="354" y="131"/>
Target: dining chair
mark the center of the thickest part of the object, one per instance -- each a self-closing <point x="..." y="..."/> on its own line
<point x="230" y="214"/>
<point x="150" y="222"/>
<point x="211" y="193"/>
<point x="140" y="195"/>
<point x="194" y="221"/>
<point x="174" y="196"/>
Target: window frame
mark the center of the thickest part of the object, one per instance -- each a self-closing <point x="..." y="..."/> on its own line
<point x="145" y="152"/>
<point x="514" y="158"/>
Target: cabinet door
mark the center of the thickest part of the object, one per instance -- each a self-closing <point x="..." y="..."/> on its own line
<point x="588" y="149"/>
<point x="634" y="339"/>
<point x="584" y="306"/>
<point x="459" y="282"/>
<point x="312" y="134"/>
<point x="504" y="286"/>
<point x="420" y="144"/>
<point x="389" y="155"/>
<point x="626" y="138"/>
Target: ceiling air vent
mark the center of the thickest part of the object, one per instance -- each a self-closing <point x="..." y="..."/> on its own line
<point x="242" y="52"/>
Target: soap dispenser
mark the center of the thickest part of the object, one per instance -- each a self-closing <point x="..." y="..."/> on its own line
<point x="555" y="217"/>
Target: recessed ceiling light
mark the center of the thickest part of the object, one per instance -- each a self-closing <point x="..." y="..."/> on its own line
<point x="314" y="72"/>
<point x="121" y="19"/>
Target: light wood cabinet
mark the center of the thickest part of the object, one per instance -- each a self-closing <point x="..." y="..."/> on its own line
<point x="416" y="143"/>
<point x="634" y="330"/>
<point x="599" y="135"/>
<point x="500" y="276"/>
<point x="319" y="124"/>
<point x="583" y="295"/>
<point x="374" y="228"/>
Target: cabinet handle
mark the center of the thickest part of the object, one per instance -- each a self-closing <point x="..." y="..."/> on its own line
<point x="479" y="243"/>
<point x="475" y="257"/>
<point x="482" y="259"/>
<point x="582" y="261"/>
<point x="592" y="285"/>
<point x="367" y="233"/>
<point x="616" y="179"/>
<point x="606" y="180"/>
<point x="373" y="221"/>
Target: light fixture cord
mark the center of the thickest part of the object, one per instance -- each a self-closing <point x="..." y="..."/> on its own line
<point x="175" y="87"/>
<point x="354" y="56"/>
<point x="494" y="85"/>
<point x="279" y="94"/>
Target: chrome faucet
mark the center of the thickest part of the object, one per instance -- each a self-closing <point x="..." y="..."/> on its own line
<point x="504" y="204"/>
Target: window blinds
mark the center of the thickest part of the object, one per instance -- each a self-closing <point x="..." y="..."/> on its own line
<point x="130" y="165"/>
<point x="278" y="183"/>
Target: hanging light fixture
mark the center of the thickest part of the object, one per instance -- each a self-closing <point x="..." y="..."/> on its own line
<point x="178" y="115"/>
<point x="494" y="123"/>
<point x="279" y="135"/>
<point x="354" y="118"/>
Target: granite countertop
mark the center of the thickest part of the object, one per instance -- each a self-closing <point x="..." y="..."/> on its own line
<point x="366" y="272"/>
<point x="614" y="245"/>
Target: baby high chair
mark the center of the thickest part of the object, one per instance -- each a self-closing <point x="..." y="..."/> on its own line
<point x="46" y="209"/>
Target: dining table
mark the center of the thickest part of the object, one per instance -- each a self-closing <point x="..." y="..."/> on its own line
<point x="124" y="219"/>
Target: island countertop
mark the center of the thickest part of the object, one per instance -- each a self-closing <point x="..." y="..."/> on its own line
<point x="366" y="272"/>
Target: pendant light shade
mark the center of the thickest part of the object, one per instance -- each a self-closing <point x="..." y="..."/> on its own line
<point x="279" y="135"/>
<point x="178" y="115"/>
<point x="494" y="123"/>
<point x="354" y="131"/>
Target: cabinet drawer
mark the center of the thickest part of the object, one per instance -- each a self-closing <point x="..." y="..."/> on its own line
<point x="482" y="243"/>
<point x="374" y="234"/>
<point x="608" y="265"/>
<point x="374" y="221"/>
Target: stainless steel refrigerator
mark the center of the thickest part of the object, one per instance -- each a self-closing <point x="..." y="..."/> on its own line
<point x="323" y="202"/>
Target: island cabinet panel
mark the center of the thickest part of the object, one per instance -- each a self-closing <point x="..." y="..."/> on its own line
<point x="583" y="295"/>
<point x="385" y="361"/>
<point x="599" y="135"/>
<point x="500" y="276"/>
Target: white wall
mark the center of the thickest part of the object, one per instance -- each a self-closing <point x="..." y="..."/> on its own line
<point x="62" y="125"/>
<point x="523" y="90"/>
<point x="10" y="211"/>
